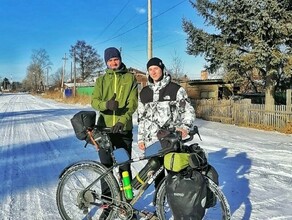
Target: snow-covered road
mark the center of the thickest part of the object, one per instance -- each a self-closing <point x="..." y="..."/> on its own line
<point x="37" y="141"/>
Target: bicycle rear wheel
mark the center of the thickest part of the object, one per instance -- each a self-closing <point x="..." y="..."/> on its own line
<point x="219" y="211"/>
<point x="74" y="202"/>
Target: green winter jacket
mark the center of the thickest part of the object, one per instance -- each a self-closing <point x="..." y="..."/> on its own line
<point x="124" y="84"/>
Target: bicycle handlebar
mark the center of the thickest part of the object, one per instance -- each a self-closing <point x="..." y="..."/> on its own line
<point x="192" y="133"/>
<point x="173" y="141"/>
<point x="171" y="137"/>
<point x="108" y="130"/>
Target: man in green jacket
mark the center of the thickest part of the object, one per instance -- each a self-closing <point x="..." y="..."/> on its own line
<point x="115" y="96"/>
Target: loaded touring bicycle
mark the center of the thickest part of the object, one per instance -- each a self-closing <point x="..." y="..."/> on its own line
<point x="81" y="185"/>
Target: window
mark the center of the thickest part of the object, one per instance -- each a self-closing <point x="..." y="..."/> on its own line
<point x="207" y="95"/>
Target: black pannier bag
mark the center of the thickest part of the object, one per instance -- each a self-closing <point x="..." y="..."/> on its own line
<point x="186" y="194"/>
<point x="213" y="175"/>
<point x="81" y="122"/>
<point x="198" y="161"/>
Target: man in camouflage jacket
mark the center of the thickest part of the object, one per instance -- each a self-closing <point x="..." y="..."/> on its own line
<point x="162" y="103"/>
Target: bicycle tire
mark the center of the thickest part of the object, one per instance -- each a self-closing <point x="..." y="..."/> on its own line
<point x="221" y="209"/>
<point x="73" y="181"/>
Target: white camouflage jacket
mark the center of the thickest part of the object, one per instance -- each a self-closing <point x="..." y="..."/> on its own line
<point x="163" y="103"/>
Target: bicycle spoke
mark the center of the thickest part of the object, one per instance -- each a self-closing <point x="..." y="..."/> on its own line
<point x="76" y="203"/>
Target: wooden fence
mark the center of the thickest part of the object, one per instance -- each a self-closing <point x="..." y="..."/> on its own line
<point x="244" y="113"/>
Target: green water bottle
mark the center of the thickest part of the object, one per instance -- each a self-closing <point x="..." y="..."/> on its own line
<point x="127" y="185"/>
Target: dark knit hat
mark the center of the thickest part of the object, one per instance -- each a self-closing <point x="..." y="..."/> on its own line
<point x="111" y="52"/>
<point x="155" y="62"/>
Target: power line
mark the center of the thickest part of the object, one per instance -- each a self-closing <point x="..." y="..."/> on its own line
<point x="122" y="33"/>
<point x="132" y="18"/>
<point x="172" y="42"/>
<point x="142" y="23"/>
<point x="115" y="18"/>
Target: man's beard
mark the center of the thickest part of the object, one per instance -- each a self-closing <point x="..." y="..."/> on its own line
<point x="115" y="68"/>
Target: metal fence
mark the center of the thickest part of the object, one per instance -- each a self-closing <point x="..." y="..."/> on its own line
<point x="244" y="113"/>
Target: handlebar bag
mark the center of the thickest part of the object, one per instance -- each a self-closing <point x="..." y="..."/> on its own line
<point x="169" y="140"/>
<point x="82" y="121"/>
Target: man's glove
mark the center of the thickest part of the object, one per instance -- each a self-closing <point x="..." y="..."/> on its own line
<point x="112" y="104"/>
<point x="118" y="127"/>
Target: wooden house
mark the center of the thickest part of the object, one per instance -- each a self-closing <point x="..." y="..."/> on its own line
<point x="208" y="89"/>
<point x="140" y="77"/>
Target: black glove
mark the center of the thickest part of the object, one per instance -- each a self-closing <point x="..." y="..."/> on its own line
<point x="112" y="104"/>
<point x="118" y="127"/>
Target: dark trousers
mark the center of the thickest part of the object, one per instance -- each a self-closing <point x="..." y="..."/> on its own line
<point x="118" y="140"/>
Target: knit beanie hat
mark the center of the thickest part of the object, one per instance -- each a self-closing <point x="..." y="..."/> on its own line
<point x="155" y="62"/>
<point x="111" y="52"/>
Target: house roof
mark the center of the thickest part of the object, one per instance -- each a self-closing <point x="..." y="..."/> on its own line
<point x="136" y="71"/>
<point x="206" y="82"/>
<point x="83" y="84"/>
<point x="91" y="79"/>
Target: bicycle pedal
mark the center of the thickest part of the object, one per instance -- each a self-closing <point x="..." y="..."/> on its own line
<point x="147" y="215"/>
<point x="104" y="206"/>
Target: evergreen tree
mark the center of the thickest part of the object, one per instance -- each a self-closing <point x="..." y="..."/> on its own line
<point x="87" y="58"/>
<point x="249" y="36"/>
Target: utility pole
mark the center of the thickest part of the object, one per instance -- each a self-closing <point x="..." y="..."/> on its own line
<point x="74" y="61"/>
<point x="71" y="70"/>
<point x="63" y="75"/>
<point x="149" y="29"/>
<point x="35" y="81"/>
<point x="11" y="82"/>
<point x="47" y="81"/>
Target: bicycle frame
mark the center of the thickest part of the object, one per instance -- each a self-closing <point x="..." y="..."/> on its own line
<point x="143" y="188"/>
<point x="117" y="162"/>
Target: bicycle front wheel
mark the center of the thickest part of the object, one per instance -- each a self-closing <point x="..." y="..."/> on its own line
<point x="219" y="211"/>
<point x="74" y="202"/>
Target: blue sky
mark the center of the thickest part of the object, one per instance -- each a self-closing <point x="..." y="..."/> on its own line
<point x="54" y="25"/>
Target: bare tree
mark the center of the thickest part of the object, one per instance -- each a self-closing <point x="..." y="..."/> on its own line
<point x="87" y="58"/>
<point x="57" y="77"/>
<point x="176" y="70"/>
<point x="36" y="71"/>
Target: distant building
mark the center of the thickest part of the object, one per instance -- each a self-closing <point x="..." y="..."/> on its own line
<point x="140" y="77"/>
<point x="86" y="87"/>
<point x="209" y="89"/>
<point x="206" y="88"/>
